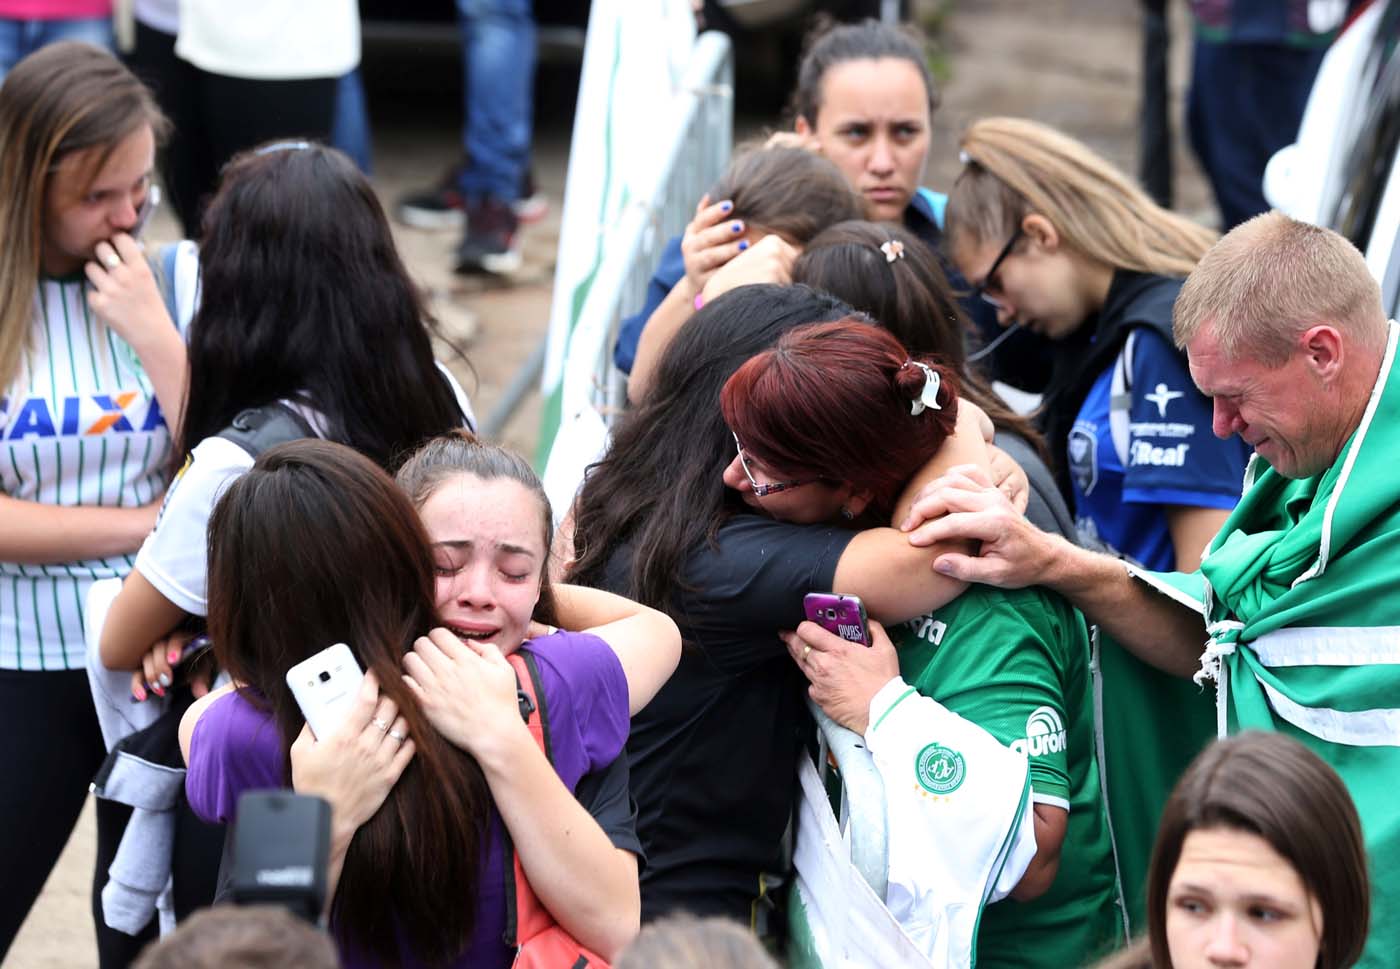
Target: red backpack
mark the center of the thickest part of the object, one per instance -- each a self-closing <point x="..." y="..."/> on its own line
<point x="540" y="941"/>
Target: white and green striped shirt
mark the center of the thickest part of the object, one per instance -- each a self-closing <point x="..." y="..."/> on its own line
<point x="80" y="426"/>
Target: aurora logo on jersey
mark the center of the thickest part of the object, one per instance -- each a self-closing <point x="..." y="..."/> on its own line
<point x="86" y="416"/>
<point x="939" y="769"/>
<point x="1045" y="734"/>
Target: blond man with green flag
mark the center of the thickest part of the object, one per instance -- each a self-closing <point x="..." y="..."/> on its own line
<point x="1294" y="615"/>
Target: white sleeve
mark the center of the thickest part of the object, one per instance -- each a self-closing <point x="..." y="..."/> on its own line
<point x="956" y="807"/>
<point x="462" y="402"/>
<point x="173" y="556"/>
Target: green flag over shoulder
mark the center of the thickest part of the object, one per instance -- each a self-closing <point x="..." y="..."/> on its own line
<point x="1301" y="596"/>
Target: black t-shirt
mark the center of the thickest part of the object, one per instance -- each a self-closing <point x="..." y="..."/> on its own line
<point x="607" y="795"/>
<point x="714" y="755"/>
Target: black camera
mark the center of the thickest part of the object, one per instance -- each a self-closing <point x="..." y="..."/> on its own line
<point x="281" y="847"/>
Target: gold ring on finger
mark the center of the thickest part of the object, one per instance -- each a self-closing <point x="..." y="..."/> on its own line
<point x="805" y="650"/>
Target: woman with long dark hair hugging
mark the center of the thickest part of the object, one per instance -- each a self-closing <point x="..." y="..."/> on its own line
<point x="714" y="756"/>
<point x="434" y="773"/>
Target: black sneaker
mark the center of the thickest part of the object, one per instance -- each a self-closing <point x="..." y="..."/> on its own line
<point x="442" y="206"/>
<point x="439" y="207"/>
<point x="492" y="242"/>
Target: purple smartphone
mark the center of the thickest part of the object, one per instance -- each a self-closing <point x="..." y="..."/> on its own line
<point x="842" y="615"/>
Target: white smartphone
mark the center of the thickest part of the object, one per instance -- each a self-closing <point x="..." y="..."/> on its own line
<point x="325" y="686"/>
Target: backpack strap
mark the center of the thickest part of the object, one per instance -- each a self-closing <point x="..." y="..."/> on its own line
<point x="525" y="916"/>
<point x="259" y="428"/>
<point x="1120" y="399"/>
<point x="540" y="942"/>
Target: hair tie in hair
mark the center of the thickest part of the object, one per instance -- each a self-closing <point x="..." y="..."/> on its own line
<point x="283" y="146"/>
<point x="893" y="249"/>
<point x="928" y="397"/>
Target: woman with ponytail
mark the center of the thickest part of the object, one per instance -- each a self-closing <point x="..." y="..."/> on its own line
<point x="1066" y="245"/>
<point x="845" y="402"/>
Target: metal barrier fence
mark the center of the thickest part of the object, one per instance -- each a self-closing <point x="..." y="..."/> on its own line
<point x="692" y="149"/>
<point x="862" y="801"/>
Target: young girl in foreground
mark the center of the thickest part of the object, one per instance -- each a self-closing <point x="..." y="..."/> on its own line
<point x="436" y="746"/>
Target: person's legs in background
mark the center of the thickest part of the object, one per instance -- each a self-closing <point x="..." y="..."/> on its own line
<point x="50" y="748"/>
<point x="173" y="81"/>
<point x="19" y="38"/>
<point x="498" y="40"/>
<point x="350" y="128"/>
<point x="1245" y="103"/>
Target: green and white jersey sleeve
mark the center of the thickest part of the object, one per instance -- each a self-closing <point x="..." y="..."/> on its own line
<point x="987" y="657"/>
<point x="1016" y="663"/>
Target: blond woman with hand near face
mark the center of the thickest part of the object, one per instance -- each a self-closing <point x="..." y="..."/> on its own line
<point x="91" y="369"/>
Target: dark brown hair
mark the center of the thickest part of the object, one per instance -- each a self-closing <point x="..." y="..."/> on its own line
<point x="459" y="452"/>
<point x="1272" y="786"/>
<point x="303" y="295"/>
<point x="316" y="545"/>
<point x="830" y="44"/>
<point x="660" y="485"/>
<point x="832" y="401"/>
<point x="241" y="937"/>
<point x="791" y="191"/>
<point x="904" y="290"/>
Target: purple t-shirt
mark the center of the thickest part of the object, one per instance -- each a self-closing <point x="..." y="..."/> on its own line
<point x="235" y="748"/>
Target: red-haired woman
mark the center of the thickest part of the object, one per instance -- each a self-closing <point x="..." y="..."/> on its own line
<point x="844" y="403"/>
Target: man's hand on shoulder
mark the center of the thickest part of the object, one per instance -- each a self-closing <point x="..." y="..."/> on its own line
<point x="965" y="505"/>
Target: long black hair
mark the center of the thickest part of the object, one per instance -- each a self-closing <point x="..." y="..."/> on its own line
<point x="360" y="571"/>
<point x="660" y="483"/>
<point x="304" y="296"/>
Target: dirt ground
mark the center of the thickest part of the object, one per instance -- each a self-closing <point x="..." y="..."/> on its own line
<point x="1070" y="63"/>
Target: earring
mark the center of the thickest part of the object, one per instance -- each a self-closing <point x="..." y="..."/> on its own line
<point x="846" y="513"/>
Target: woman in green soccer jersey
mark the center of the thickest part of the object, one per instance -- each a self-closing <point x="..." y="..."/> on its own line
<point x="844" y="403"/>
<point x="89" y="362"/>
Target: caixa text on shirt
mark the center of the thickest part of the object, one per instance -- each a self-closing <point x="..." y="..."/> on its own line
<point x="85" y="415"/>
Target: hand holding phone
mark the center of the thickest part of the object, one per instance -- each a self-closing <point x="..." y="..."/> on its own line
<point x="842" y="615"/>
<point x="325" y="686"/>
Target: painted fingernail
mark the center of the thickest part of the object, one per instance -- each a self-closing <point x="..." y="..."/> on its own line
<point x="743" y="244"/>
<point x="726" y="206"/>
<point x="737" y="227"/>
<point x="138" y="694"/>
<point x="163" y="679"/>
<point x="173" y="656"/>
<point x="157" y="690"/>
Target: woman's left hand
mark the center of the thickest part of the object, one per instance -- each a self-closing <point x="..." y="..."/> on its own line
<point x="356" y="766"/>
<point x="125" y="295"/>
<point x="466" y="689"/>
<point x="845" y="676"/>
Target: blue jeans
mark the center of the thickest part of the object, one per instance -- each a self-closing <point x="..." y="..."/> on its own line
<point x="498" y="55"/>
<point x="20" y="38"/>
<point x="350" y="128"/>
<point x="1246" y="102"/>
